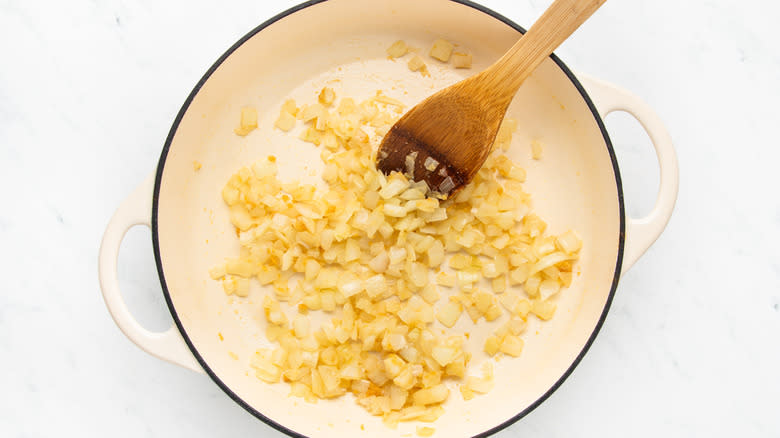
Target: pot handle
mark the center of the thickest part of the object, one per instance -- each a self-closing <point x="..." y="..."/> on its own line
<point x="641" y="232"/>
<point x="167" y="345"/>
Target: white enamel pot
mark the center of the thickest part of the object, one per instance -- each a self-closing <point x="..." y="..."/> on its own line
<point x="342" y="43"/>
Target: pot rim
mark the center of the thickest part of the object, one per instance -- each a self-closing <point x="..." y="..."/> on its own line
<point x="156" y="241"/>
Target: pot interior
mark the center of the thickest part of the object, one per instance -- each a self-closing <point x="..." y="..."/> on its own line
<point x="342" y="43"/>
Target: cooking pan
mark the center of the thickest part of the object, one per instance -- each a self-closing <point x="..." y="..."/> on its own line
<point x="341" y="43"/>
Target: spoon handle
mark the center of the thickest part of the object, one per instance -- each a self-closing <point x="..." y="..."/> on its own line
<point x="559" y="21"/>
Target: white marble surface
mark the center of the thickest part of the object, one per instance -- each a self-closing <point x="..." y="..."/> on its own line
<point x="88" y="90"/>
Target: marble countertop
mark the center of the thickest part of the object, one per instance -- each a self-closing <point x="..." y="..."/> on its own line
<point x="88" y="91"/>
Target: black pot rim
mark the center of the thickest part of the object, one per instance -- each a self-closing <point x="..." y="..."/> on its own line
<point x="156" y="241"/>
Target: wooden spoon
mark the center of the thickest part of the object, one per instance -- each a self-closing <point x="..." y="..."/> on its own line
<point x="454" y="129"/>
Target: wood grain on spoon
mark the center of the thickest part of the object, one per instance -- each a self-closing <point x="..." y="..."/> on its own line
<point x="454" y="129"/>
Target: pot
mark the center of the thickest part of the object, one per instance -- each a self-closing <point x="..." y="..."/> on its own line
<point x="342" y="42"/>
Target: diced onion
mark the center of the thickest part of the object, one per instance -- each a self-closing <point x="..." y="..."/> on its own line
<point x="362" y="249"/>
